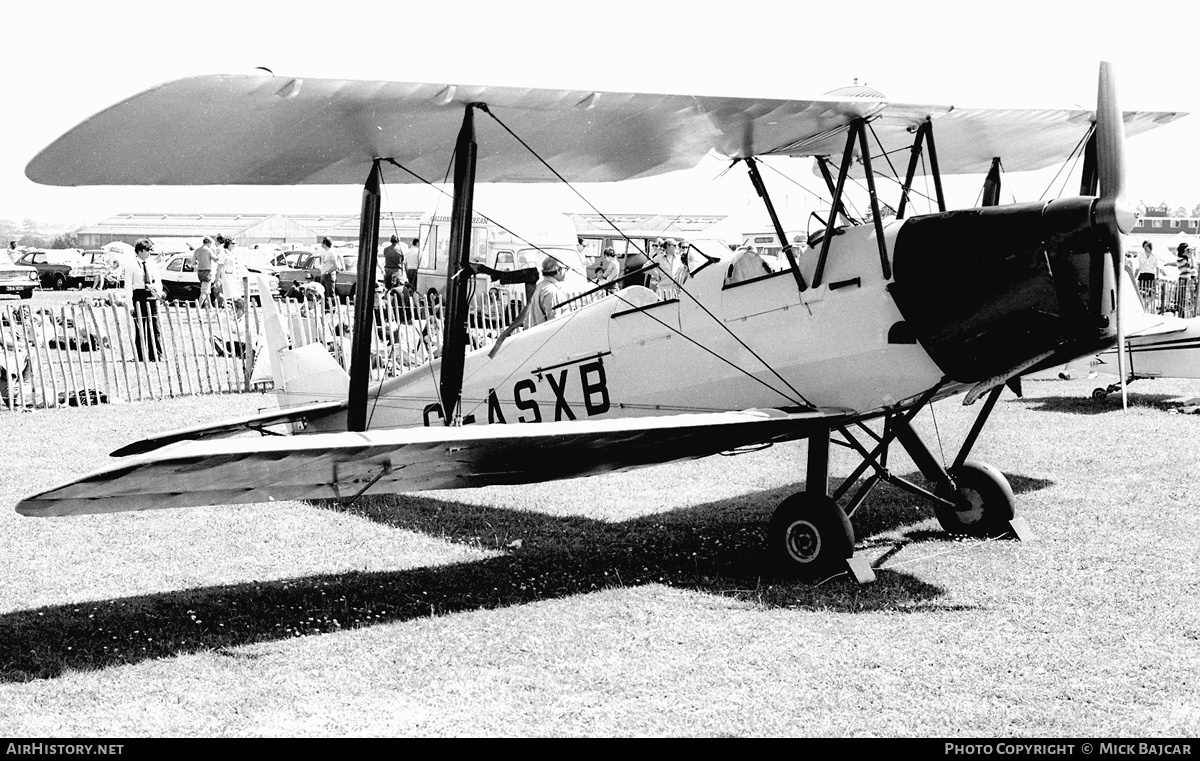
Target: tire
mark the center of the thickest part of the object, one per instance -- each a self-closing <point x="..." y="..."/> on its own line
<point x="1099" y="393"/>
<point x="59" y="283"/>
<point x="984" y="503"/>
<point x="27" y="293"/>
<point x="809" y="537"/>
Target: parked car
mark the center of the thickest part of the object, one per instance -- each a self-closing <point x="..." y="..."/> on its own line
<point x="180" y="282"/>
<point x="113" y="263"/>
<point x="298" y="267"/>
<point x="17" y="278"/>
<point x="63" y="268"/>
<point x="346" y="282"/>
<point x="303" y="266"/>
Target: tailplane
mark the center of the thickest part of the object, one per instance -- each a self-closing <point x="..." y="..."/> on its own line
<point x="302" y="375"/>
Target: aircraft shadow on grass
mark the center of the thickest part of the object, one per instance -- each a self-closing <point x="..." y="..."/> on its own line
<point x="714" y="548"/>
<point x="1085" y="405"/>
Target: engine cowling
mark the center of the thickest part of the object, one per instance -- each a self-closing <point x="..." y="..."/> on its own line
<point x="986" y="290"/>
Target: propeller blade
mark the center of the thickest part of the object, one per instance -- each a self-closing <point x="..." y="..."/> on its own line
<point x="1112" y="211"/>
<point x="1110" y="137"/>
<point x="1121" y="348"/>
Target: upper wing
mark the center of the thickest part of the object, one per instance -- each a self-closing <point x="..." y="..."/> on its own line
<point x="268" y="130"/>
<point x="335" y="465"/>
<point x="967" y="139"/>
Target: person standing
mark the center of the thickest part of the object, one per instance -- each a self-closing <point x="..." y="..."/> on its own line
<point x="142" y="290"/>
<point x="667" y="279"/>
<point x="331" y="263"/>
<point x="609" y="269"/>
<point x="546" y="295"/>
<point x="1147" y="266"/>
<point x="1184" y="295"/>
<point x="232" y="276"/>
<point x="204" y="271"/>
<point x="394" y="264"/>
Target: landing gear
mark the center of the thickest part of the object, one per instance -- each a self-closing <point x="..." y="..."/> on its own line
<point x="1101" y="392"/>
<point x="984" y="505"/>
<point x="809" y="537"/>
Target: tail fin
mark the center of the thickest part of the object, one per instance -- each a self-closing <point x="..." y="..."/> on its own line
<point x="302" y="375"/>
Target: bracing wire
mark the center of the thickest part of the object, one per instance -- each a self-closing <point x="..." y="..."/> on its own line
<point x="1072" y="158"/>
<point x="798" y="399"/>
<point x="669" y="275"/>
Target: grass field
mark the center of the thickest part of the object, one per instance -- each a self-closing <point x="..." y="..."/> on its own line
<point x="628" y="604"/>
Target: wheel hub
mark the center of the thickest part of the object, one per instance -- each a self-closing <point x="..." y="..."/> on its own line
<point x="969" y="507"/>
<point x="803" y="541"/>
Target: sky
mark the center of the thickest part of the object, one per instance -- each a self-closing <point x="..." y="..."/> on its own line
<point x="68" y="60"/>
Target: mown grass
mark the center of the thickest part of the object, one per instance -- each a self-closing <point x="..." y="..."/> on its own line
<point x="628" y="604"/>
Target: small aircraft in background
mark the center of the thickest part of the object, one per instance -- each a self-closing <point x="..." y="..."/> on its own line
<point x="1156" y="346"/>
<point x="875" y="320"/>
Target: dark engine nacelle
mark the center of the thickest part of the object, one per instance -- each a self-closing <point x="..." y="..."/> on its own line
<point x="986" y="290"/>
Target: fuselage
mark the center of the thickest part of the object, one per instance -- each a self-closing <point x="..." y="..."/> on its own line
<point x="717" y="346"/>
<point x="856" y="341"/>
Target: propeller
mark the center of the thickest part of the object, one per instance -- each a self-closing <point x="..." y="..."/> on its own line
<point x="1112" y="213"/>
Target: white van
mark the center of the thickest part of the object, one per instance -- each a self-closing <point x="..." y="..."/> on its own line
<point x="511" y="240"/>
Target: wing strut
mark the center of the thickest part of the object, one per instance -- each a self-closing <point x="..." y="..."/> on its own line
<point x="459" y="275"/>
<point x="761" y="189"/>
<point x="876" y="216"/>
<point x="991" y="184"/>
<point x="856" y="133"/>
<point x="364" y="312"/>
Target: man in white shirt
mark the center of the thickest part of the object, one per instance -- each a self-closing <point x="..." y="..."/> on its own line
<point x="331" y="263"/>
<point x="669" y="277"/>
<point x="548" y="292"/>
<point x="142" y="290"/>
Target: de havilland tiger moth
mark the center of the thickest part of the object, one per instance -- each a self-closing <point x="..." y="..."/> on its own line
<point x="874" y="321"/>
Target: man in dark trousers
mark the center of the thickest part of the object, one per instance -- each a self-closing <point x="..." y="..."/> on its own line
<point x="394" y="264"/>
<point x="142" y="289"/>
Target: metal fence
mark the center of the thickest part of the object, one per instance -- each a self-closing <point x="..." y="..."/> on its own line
<point x="1163" y="296"/>
<point x="95" y="352"/>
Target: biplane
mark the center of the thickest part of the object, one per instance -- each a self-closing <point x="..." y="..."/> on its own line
<point x="874" y="321"/>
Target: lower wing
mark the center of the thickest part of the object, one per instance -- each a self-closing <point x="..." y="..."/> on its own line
<point x="337" y="465"/>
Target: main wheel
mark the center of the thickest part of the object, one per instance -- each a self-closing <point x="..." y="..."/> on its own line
<point x="983" y="502"/>
<point x="809" y="537"/>
<point x="1099" y="393"/>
